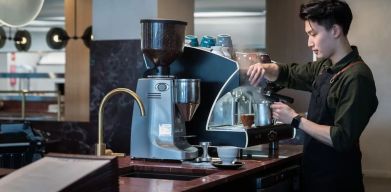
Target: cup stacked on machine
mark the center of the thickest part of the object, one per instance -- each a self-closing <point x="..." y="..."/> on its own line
<point x="222" y="45"/>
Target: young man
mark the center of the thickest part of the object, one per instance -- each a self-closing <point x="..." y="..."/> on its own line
<point x="343" y="99"/>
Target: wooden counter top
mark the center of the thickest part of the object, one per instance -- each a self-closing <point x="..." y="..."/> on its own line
<point x="216" y="177"/>
<point x="210" y="178"/>
<point x="4" y="172"/>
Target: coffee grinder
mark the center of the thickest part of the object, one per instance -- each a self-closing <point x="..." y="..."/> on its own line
<point x="169" y="102"/>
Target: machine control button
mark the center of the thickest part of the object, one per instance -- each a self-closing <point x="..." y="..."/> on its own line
<point x="272" y="135"/>
<point x="162" y="87"/>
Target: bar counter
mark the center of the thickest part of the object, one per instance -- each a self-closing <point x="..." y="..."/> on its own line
<point x="204" y="176"/>
<point x="4" y="172"/>
<point x="215" y="180"/>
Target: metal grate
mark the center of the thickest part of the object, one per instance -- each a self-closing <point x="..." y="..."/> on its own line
<point x="154" y="95"/>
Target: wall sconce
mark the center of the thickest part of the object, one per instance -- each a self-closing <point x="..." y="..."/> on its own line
<point x="87" y="36"/>
<point x="57" y="38"/>
<point x="22" y="39"/>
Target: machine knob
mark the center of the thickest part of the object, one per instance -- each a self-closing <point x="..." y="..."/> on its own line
<point x="272" y="135"/>
<point x="162" y="87"/>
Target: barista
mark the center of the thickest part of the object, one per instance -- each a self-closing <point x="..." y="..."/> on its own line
<point x="342" y="101"/>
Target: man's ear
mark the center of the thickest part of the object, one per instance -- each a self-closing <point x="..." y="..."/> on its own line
<point x="336" y="31"/>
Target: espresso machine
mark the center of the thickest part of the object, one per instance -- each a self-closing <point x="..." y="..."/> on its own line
<point x="169" y="101"/>
<point x="185" y="97"/>
<point x="243" y="99"/>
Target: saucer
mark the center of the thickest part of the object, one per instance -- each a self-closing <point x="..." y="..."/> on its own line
<point x="220" y="165"/>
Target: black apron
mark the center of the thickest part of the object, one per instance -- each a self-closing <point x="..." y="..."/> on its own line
<point x="325" y="169"/>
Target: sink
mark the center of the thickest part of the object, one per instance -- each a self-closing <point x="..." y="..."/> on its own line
<point x="183" y="174"/>
<point x="168" y="176"/>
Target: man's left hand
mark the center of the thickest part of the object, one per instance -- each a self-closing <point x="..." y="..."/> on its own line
<point x="282" y="112"/>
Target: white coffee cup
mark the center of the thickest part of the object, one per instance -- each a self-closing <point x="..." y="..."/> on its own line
<point x="227" y="154"/>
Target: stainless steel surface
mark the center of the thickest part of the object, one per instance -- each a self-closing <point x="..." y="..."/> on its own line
<point x="238" y="99"/>
<point x="188" y="90"/>
<point x="23" y="100"/>
<point x="161" y="134"/>
<point x="230" y="106"/>
<point x="205" y="156"/>
<point x="187" y="97"/>
<point x="230" y="5"/>
<point x="263" y="114"/>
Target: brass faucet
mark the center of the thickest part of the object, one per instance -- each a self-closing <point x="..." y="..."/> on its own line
<point x="100" y="147"/>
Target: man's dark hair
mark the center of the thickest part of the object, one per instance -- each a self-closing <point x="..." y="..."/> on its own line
<point x="327" y="13"/>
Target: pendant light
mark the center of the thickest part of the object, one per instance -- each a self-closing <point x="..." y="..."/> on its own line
<point x="57" y="38"/>
<point x="18" y="13"/>
<point x="3" y="37"/>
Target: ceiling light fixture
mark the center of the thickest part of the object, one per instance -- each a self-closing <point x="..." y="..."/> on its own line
<point x="229" y="14"/>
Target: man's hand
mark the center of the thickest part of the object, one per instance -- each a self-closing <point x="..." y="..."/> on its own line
<point x="255" y="73"/>
<point x="283" y="112"/>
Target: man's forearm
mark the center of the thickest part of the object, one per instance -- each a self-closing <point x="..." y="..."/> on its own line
<point x="271" y="71"/>
<point x="319" y="132"/>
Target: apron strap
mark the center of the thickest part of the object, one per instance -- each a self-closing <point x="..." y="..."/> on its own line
<point x="343" y="70"/>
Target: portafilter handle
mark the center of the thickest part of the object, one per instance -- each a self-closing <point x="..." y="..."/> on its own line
<point x="274" y="97"/>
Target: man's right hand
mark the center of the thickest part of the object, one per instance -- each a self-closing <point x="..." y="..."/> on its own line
<point x="257" y="71"/>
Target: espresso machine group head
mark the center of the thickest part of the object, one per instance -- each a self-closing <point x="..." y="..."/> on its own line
<point x="169" y="102"/>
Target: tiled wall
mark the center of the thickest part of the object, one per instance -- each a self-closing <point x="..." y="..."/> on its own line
<point x="114" y="64"/>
